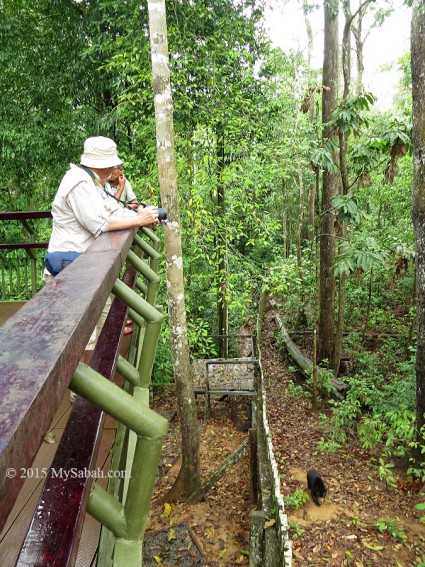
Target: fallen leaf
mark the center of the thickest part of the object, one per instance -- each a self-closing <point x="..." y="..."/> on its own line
<point x="167" y="509"/>
<point x="50" y="437"/>
<point x="372" y="546"/>
<point x="269" y="523"/>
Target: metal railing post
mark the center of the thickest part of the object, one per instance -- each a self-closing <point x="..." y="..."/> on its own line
<point x="134" y="452"/>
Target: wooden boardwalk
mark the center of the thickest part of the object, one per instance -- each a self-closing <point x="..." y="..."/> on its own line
<point x="19" y="519"/>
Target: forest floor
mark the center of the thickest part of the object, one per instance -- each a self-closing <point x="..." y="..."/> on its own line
<point x="343" y="531"/>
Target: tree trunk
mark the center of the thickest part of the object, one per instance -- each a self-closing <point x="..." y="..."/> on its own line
<point x="339" y="331"/>
<point x="284" y="223"/>
<point x="311" y="202"/>
<point x="188" y="479"/>
<point x="300" y="214"/>
<point x="330" y="186"/>
<point x="346" y="71"/>
<point x="418" y="89"/>
<point x="309" y="30"/>
<point x="222" y="306"/>
<point x="358" y="33"/>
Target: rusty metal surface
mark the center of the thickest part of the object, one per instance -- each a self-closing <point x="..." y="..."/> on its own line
<point x="40" y="347"/>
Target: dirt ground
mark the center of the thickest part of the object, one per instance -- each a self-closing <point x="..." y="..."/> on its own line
<point x="341" y="532"/>
<point x="219" y="526"/>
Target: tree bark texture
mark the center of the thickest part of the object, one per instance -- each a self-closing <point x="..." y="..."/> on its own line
<point x="330" y="186"/>
<point x="418" y="90"/>
<point x="188" y="479"/>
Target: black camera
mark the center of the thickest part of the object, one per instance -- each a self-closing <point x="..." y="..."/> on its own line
<point x="162" y="214"/>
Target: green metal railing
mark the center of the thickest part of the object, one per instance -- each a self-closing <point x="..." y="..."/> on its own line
<point x="123" y="507"/>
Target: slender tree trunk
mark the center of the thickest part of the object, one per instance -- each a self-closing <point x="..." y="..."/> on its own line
<point x="311" y="203"/>
<point x="358" y="36"/>
<point x="413" y="306"/>
<point x="418" y="90"/>
<point x="284" y="223"/>
<point x="314" y="375"/>
<point x="222" y="276"/>
<point x="309" y="30"/>
<point x="346" y="72"/>
<point x="188" y="479"/>
<point x="358" y="32"/>
<point x="330" y="186"/>
<point x="300" y="214"/>
<point x="369" y="300"/>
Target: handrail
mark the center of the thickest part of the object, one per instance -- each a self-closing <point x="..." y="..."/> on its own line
<point x="25" y="215"/>
<point x="24" y="246"/>
<point x="56" y="527"/>
<point x="40" y="347"/>
<point x="55" y="530"/>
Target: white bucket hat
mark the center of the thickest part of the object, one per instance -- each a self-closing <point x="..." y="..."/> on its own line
<point x="100" y="152"/>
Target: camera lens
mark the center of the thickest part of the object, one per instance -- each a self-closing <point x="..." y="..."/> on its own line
<point x="162" y="214"/>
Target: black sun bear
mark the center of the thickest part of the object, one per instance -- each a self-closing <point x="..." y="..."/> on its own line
<point x="316" y="485"/>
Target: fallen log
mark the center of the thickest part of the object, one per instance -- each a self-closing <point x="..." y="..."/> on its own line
<point x="219" y="472"/>
<point x="304" y="363"/>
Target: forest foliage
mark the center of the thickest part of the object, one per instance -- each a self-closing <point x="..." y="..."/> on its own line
<point x="247" y="120"/>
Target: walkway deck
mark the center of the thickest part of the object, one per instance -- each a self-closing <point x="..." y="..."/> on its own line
<point x="19" y="519"/>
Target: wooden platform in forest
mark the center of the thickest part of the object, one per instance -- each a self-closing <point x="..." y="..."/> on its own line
<point x="234" y="376"/>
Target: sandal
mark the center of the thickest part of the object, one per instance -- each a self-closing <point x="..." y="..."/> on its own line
<point x="128" y="330"/>
<point x="129" y="322"/>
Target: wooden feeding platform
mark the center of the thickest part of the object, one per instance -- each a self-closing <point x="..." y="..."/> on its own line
<point x="224" y="377"/>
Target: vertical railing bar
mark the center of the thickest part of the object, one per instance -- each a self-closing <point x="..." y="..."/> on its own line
<point x="148" y="353"/>
<point x="10" y="278"/>
<point x="146" y="322"/>
<point x="18" y="276"/>
<point x="26" y="276"/>
<point x="3" y="278"/>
